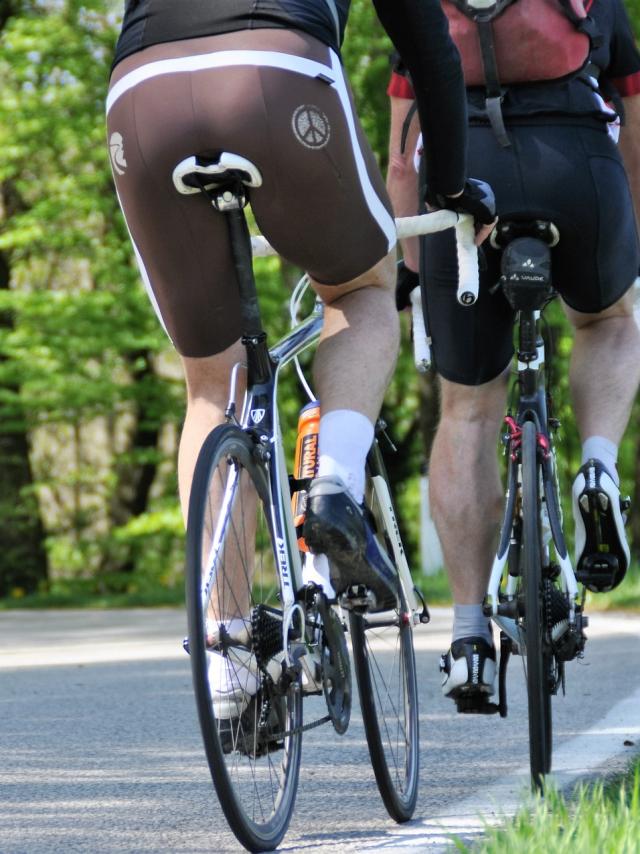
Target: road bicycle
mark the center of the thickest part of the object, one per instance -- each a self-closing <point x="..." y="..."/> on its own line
<point x="253" y="601"/>
<point x="533" y="593"/>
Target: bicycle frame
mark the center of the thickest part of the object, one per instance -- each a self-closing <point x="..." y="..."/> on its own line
<point x="260" y="414"/>
<point x="532" y="406"/>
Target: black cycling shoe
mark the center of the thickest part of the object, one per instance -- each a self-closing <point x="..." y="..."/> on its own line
<point x="335" y="525"/>
<point x="602" y="551"/>
<point x="469" y="669"/>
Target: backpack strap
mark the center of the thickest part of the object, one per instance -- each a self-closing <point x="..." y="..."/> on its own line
<point x="406" y="124"/>
<point x="494" y="92"/>
<point x="482" y="12"/>
<point x="583" y="23"/>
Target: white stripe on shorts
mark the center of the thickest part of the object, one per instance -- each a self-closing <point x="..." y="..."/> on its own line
<point x="378" y="210"/>
<point x="219" y="59"/>
<point x="143" y="271"/>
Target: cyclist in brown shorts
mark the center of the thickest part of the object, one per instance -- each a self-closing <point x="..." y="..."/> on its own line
<point x="264" y="80"/>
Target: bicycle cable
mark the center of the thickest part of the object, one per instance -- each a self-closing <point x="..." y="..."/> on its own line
<point x="294" y="308"/>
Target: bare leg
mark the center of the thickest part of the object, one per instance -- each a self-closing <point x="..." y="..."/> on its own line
<point x="359" y="343"/>
<point x="207" y="395"/>
<point x="464" y="483"/>
<point x="605" y="369"/>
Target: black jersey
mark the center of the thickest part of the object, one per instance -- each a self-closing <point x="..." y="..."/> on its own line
<point x="149" y="22"/>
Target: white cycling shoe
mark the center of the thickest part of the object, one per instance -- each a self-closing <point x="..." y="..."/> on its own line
<point x="233" y="679"/>
<point x="601" y="549"/>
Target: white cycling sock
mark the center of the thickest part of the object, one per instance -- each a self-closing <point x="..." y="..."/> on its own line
<point x="470" y="622"/>
<point x="344" y="442"/>
<point x="599" y="448"/>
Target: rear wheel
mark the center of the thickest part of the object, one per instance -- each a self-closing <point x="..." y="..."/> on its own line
<point x="539" y="656"/>
<point x="385" y="670"/>
<point x="246" y="699"/>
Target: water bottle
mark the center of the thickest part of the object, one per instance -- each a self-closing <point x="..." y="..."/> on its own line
<point x="305" y="466"/>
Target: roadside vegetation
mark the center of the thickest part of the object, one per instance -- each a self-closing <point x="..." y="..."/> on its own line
<point x="599" y="818"/>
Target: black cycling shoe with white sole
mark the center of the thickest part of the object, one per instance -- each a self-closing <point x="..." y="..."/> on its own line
<point x="336" y="525"/>
<point x="602" y="551"/>
<point x="469" y="669"/>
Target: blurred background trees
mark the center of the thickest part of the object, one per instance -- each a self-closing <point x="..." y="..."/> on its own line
<point x="91" y="397"/>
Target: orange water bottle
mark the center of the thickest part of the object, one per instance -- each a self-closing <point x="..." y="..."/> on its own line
<point x="305" y="464"/>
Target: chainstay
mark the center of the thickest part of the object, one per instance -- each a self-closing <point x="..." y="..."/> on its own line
<point x="278" y="736"/>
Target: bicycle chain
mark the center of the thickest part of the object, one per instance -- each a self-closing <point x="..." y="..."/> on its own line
<point x="278" y="736"/>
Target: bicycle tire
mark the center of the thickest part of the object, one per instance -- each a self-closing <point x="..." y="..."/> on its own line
<point x="384" y="663"/>
<point x="539" y="658"/>
<point x="257" y="792"/>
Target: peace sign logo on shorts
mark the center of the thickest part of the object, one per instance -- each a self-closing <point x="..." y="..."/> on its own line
<point x="311" y="126"/>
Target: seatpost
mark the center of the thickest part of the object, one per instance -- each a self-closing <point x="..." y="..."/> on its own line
<point x="231" y="202"/>
<point x="528" y="341"/>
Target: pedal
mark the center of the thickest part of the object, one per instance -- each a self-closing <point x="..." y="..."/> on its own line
<point x="357" y="598"/>
<point x="598" y="572"/>
<point x="476" y="703"/>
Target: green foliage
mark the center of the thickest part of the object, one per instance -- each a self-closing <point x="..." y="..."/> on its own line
<point x="599" y="818"/>
<point x="366" y="54"/>
<point x="82" y="341"/>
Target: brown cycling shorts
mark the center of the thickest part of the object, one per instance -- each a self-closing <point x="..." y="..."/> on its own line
<point x="278" y="98"/>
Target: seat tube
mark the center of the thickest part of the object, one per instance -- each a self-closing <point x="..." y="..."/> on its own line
<point x="253" y="335"/>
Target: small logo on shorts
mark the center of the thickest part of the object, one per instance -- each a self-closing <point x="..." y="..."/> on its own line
<point x="310" y="126"/>
<point x="116" y="149"/>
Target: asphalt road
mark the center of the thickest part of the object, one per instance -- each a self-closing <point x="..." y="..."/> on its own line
<point x="100" y="749"/>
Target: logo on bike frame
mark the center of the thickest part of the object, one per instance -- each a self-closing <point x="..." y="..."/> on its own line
<point x="257" y="415"/>
<point x="116" y="149"/>
<point x="310" y="126"/>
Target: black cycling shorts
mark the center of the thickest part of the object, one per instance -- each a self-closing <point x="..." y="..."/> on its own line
<point x="278" y="98"/>
<point x="571" y="175"/>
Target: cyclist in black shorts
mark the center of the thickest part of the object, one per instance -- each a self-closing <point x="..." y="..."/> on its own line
<point x="264" y="80"/>
<point x="562" y="165"/>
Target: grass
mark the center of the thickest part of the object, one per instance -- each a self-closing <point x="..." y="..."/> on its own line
<point x="87" y="594"/>
<point x="600" y="818"/>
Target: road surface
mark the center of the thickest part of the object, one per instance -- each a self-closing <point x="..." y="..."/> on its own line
<point x="100" y="749"/>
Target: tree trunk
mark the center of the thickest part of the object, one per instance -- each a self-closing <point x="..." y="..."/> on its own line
<point x="134" y="480"/>
<point x="23" y="559"/>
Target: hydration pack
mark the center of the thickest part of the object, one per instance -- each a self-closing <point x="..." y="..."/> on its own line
<point x="502" y="42"/>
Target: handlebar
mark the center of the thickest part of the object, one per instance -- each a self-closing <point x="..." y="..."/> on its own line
<point x="413" y="226"/>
